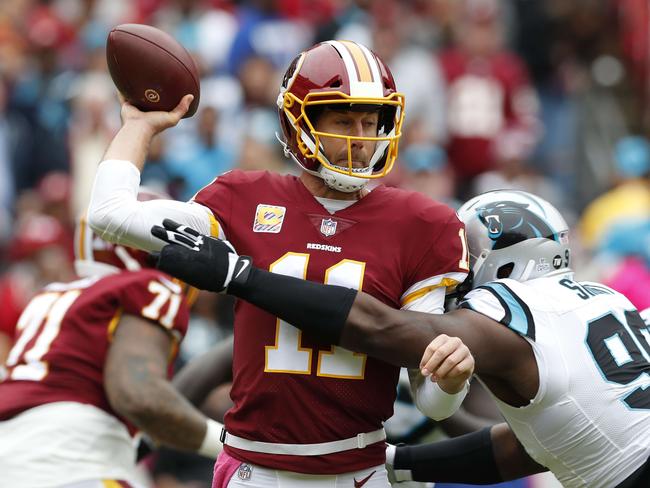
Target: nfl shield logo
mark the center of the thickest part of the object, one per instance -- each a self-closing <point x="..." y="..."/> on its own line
<point x="328" y="227"/>
<point x="244" y="472"/>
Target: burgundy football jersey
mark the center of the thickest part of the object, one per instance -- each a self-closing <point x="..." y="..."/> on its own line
<point x="64" y="333"/>
<point x="289" y="388"/>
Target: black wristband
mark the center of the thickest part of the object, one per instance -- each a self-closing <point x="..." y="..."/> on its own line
<point x="465" y="459"/>
<point x="320" y="310"/>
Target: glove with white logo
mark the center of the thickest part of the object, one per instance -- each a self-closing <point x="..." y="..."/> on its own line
<point x="199" y="260"/>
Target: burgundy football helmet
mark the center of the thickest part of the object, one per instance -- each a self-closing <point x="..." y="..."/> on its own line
<point x="339" y="73"/>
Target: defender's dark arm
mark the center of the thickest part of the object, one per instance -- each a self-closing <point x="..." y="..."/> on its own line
<point x="198" y="378"/>
<point x="359" y="322"/>
<point x="488" y="456"/>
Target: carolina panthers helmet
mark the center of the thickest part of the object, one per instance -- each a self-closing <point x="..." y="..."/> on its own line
<point x="514" y="234"/>
<point x="347" y="74"/>
<point x="96" y="257"/>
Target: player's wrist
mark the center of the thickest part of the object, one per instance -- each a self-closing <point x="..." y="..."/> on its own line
<point x="453" y="387"/>
<point x="139" y="127"/>
<point x="240" y="270"/>
<point x="211" y="445"/>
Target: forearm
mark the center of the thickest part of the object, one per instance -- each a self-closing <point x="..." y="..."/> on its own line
<point x="338" y="315"/>
<point x="202" y="375"/>
<point x="131" y="143"/>
<point x="386" y="333"/>
<point x="465" y="459"/>
<point x="167" y="417"/>
<point x="317" y="309"/>
<point x="116" y="215"/>
<point x="135" y="382"/>
<point x="488" y="456"/>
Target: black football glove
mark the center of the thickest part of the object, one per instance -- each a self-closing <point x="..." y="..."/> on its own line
<point x="199" y="260"/>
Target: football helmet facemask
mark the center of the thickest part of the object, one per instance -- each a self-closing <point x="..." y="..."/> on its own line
<point x="514" y="234"/>
<point x="348" y="75"/>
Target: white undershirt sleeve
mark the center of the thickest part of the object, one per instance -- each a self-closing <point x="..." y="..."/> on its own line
<point x="428" y="397"/>
<point x="116" y="215"/>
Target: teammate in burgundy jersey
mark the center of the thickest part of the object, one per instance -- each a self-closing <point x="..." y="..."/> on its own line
<point x="301" y="405"/>
<point x="88" y="368"/>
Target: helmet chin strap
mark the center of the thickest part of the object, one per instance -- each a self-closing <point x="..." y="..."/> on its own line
<point x="340" y="182"/>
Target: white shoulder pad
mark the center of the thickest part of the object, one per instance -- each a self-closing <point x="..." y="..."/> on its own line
<point x="498" y="301"/>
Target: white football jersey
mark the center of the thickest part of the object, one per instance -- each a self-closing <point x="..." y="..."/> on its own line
<point x="589" y="423"/>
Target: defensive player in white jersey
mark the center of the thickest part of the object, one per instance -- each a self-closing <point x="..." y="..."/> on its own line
<point x="645" y="314"/>
<point x="567" y="362"/>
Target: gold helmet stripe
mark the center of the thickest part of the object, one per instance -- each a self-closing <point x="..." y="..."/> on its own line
<point x="364" y="72"/>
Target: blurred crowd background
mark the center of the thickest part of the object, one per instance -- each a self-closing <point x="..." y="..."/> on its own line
<point x="548" y="96"/>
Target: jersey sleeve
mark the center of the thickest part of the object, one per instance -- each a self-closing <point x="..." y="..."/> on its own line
<point x="501" y="303"/>
<point x="442" y="266"/>
<point x="153" y="296"/>
<point x="116" y="215"/>
<point x="218" y="197"/>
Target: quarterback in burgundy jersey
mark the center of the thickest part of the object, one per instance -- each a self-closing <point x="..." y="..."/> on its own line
<point x="300" y="405"/>
<point x="64" y="411"/>
<point x="395" y="245"/>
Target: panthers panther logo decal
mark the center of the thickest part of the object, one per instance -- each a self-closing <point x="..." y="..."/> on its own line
<point x="511" y="222"/>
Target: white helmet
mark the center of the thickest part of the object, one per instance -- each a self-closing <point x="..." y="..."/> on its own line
<point x="514" y="234"/>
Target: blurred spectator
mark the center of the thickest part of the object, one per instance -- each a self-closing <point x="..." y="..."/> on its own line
<point x="416" y="72"/>
<point x="7" y="191"/>
<point x="94" y="120"/>
<point x="488" y="93"/>
<point x="208" y="33"/>
<point x="39" y="253"/>
<point x="253" y="124"/>
<point x="513" y="172"/>
<point x="202" y="160"/>
<point x="55" y="190"/>
<point x="629" y="200"/>
<point x="423" y="168"/>
<point x="40" y="93"/>
<point x="632" y="278"/>
<point x="263" y="32"/>
<point x="156" y="174"/>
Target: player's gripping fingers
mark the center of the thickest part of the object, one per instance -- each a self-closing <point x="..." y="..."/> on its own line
<point x="435" y="353"/>
<point x="463" y="370"/>
<point x="459" y="363"/>
<point x="431" y="348"/>
<point x="181" y="109"/>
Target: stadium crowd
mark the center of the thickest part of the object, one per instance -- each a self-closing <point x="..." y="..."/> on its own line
<point x="549" y="97"/>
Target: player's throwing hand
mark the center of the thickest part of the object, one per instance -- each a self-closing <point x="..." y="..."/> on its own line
<point x="448" y="361"/>
<point x="156" y="121"/>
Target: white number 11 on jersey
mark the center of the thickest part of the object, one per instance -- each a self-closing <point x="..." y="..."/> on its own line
<point x="287" y="355"/>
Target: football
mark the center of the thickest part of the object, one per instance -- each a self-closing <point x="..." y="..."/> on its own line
<point x="150" y="68"/>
